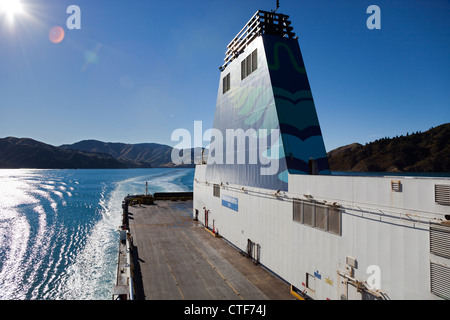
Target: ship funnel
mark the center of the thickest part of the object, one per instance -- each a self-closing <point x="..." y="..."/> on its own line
<point x="265" y="125"/>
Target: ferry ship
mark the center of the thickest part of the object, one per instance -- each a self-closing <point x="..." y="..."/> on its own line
<point x="328" y="236"/>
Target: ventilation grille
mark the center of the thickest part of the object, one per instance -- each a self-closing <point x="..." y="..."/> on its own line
<point x="442" y="194"/>
<point x="440" y="280"/>
<point x="226" y="83"/>
<point x="216" y="191"/>
<point x="254" y="60"/>
<point x="317" y="215"/>
<point x="440" y="240"/>
<point x="396" y="185"/>
<point x="249" y="64"/>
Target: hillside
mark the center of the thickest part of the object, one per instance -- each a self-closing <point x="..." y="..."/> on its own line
<point x="148" y="155"/>
<point x="29" y="153"/>
<point x="418" y="152"/>
<point x="88" y="154"/>
<point x="145" y="154"/>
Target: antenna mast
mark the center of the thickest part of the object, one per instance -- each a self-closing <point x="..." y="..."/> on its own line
<point x="278" y="5"/>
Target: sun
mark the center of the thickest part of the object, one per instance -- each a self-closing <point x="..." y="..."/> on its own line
<point x="11" y="8"/>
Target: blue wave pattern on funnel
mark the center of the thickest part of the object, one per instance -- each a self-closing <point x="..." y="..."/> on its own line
<point x="299" y="125"/>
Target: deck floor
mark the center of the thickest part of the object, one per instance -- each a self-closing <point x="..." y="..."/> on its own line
<point x="176" y="258"/>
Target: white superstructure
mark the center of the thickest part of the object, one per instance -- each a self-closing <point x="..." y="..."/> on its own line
<point x="330" y="237"/>
<point x="340" y="237"/>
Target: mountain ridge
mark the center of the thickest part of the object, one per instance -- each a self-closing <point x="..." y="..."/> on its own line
<point x="417" y="152"/>
<point x="27" y="153"/>
<point x="144" y="154"/>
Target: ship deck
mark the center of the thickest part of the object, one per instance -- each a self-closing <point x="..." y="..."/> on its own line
<point x="176" y="258"/>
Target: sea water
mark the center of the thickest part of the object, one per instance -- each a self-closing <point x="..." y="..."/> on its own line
<point x="59" y="228"/>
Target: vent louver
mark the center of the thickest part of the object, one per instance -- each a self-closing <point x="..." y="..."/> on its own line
<point x="440" y="240"/>
<point x="396" y="186"/>
<point x="216" y="191"/>
<point x="317" y="215"/>
<point x="442" y="194"/>
<point x="440" y="280"/>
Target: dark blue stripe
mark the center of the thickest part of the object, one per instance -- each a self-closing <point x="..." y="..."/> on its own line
<point x="300" y="165"/>
<point x="293" y="101"/>
<point x="297" y="164"/>
<point x="323" y="164"/>
<point x="301" y="134"/>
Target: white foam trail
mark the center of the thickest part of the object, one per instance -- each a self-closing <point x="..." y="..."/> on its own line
<point x="38" y="247"/>
<point x="52" y="260"/>
<point x="15" y="233"/>
<point x="169" y="182"/>
<point x="59" y="194"/>
<point x="46" y="195"/>
<point x="53" y="275"/>
<point x="94" y="267"/>
<point x="15" y="247"/>
<point x="92" y="275"/>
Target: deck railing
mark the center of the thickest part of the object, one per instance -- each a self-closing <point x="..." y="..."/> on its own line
<point x="262" y="22"/>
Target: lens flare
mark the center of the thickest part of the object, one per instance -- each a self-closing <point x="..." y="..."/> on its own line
<point x="90" y="56"/>
<point x="11" y="7"/>
<point x="56" y="34"/>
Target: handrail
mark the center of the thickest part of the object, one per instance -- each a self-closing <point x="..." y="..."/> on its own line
<point x="262" y="22"/>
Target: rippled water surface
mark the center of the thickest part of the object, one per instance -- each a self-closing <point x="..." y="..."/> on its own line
<point x="58" y="228"/>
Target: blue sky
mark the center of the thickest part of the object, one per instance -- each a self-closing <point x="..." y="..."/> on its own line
<point x="139" y="69"/>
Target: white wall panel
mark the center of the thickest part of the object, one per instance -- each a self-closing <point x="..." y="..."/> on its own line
<point x="376" y="230"/>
